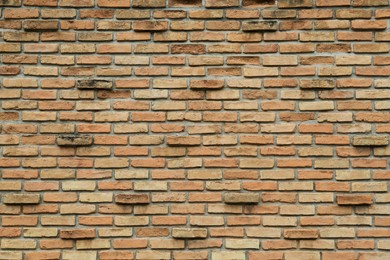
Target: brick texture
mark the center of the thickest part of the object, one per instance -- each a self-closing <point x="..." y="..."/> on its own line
<point x="202" y="129"/>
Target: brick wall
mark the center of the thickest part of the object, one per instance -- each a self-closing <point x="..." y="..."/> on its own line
<point x="194" y="129"/>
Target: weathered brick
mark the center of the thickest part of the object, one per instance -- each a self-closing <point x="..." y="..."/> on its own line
<point x="370" y="140"/>
<point x="259" y="26"/>
<point x="148" y="3"/>
<point x="94" y="84"/>
<point x="77" y="233"/>
<point x="150" y="26"/>
<point x="242" y="198"/>
<point x="33" y="25"/>
<point x="74" y="140"/>
<point x="300" y="233"/>
<point x="132" y="198"/>
<point x="184" y="233"/>
<point x="21" y="198"/>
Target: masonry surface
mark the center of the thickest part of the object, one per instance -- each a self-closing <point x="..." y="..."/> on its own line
<point x="194" y="129"/>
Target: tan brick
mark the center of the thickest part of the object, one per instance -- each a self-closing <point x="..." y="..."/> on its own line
<point x="74" y="140"/>
<point x="370" y="140"/>
<point x="96" y="197"/>
<point x="316" y="106"/>
<point x="239" y="198"/>
<point x="94" y="84"/>
<point x="77" y="233"/>
<point x="279" y="221"/>
<point x="259" y="26"/>
<point x="132" y="198"/>
<point x="87" y="255"/>
<point x="93" y="244"/>
<point x="18" y="244"/>
<point x="228" y="255"/>
<point x="11" y="255"/>
<point x="257" y="163"/>
<point x="300" y="233"/>
<point x="242" y="243"/>
<point x="78" y="185"/>
<point x="78" y="48"/>
<point x="352" y="175"/>
<point x="21" y="198"/>
<point x="184" y="233"/>
<point x="337" y="232"/>
<point x="151" y="186"/>
<point x="131" y="220"/>
<point x="302" y="255"/>
<point x="369" y="187"/>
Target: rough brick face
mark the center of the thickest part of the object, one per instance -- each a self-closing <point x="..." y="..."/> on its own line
<point x="194" y="129"/>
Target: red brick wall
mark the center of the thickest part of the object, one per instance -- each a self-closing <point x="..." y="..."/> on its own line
<point x="194" y="129"/>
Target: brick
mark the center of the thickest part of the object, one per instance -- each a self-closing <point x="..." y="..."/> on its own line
<point x="370" y="140"/>
<point x="132" y="198"/>
<point x="316" y="36"/>
<point x="354" y="200"/>
<point x="302" y="255"/>
<point x="242" y="244"/>
<point x="189" y="255"/>
<point x="370" y="48"/>
<point x="369" y="3"/>
<point x="333" y="3"/>
<point x="260" y="72"/>
<point x="183" y="140"/>
<point x="93" y="244"/>
<point x="21" y="36"/>
<point x="21" y="198"/>
<point x="194" y="233"/>
<point x="18" y="244"/>
<point x="368" y="25"/>
<point x="74" y="140"/>
<point x="21" y="14"/>
<point x="77" y="234"/>
<point x="371" y="187"/>
<point x="219" y="3"/>
<point x="80" y="185"/>
<point x="241" y="198"/>
<point x="94" y="84"/>
<point x="300" y="234"/>
<point x="150" y="26"/>
<point x="294" y="4"/>
<point x="87" y="255"/>
<point x="110" y="4"/>
<point x="381" y="151"/>
<point x="259" y="26"/>
<point x="33" y="25"/>
<point x="131" y="221"/>
<point x="316" y="106"/>
<point x="277" y="61"/>
<point x="337" y="232"/>
<point x="148" y="3"/>
<point x="239" y="255"/>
